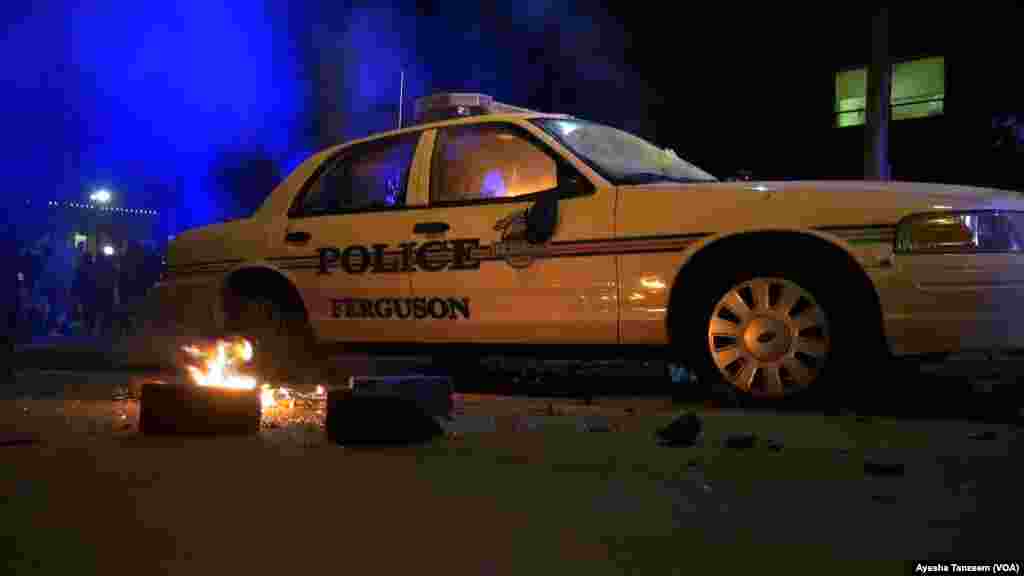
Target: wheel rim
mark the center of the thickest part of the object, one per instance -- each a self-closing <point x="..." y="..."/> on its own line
<point x="768" y="337"/>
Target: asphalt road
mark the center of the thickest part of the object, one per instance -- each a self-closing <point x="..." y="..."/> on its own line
<point x="517" y="486"/>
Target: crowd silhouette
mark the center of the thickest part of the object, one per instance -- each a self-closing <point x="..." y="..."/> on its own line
<point x="63" y="290"/>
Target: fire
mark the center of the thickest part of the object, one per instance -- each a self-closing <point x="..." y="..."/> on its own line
<point x="219" y="366"/>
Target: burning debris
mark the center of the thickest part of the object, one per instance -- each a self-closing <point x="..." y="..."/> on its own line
<point x="188" y="409"/>
<point x="220" y="368"/>
<point x="216" y="394"/>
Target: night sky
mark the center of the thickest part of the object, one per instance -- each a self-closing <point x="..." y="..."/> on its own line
<point x="199" y="107"/>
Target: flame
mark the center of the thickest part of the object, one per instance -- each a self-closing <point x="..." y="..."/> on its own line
<point x="267" y="397"/>
<point x="271" y="398"/>
<point x="243" y="350"/>
<point x="219" y="365"/>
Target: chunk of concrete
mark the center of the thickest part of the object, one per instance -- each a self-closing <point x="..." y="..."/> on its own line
<point x="684" y="430"/>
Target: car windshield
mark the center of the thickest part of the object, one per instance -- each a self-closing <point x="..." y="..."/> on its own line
<point x="620" y="156"/>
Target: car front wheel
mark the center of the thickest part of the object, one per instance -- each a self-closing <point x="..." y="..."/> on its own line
<point x="778" y="334"/>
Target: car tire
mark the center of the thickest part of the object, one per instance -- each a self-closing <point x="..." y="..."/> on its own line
<point x="285" y="348"/>
<point x="780" y="334"/>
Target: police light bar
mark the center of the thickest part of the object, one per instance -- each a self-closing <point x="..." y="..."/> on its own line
<point x="448" y="105"/>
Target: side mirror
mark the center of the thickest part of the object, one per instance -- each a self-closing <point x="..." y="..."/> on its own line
<point x="542" y="217"/>
<point x="742" y="176"/>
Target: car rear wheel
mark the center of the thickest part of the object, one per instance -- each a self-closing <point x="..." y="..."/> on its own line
<point x="285" y="348"/>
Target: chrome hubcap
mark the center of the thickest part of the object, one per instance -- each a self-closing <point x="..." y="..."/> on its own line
<point x="768" y="337"/>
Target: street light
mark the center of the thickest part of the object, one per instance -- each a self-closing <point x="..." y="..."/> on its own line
<point x="101" y="196"/>
<point x="108" y="250"/>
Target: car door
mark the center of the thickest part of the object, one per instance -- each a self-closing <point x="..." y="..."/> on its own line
<point x="486" y="283"/>
<point x="343" y="243"/>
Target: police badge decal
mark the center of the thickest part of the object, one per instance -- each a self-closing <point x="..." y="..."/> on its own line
<point x="512" y="246"/>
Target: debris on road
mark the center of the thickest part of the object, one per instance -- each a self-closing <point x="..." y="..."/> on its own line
<point x="774" y="445"/>
<point x="122" y="393"/>
<point x="879" y="466"/>
<point x="741" y="441"/>
<point x="593" y="423"/>
<point x="526" y="424"/>
<point x="684" y="430"/>
<point x="17" y="439"/>
<point x="354" y="419"/>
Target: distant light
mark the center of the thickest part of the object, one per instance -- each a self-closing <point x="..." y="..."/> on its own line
<point x="108" y="250"/>
<point x="941" y="207"/>
<point x="102" y="196"/>
<point x="759" y="188"/>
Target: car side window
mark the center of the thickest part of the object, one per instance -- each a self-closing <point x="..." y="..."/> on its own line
<point x="488" y="161"/>
<point x="372" y="176"/>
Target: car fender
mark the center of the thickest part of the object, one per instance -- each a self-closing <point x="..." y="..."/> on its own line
<point x="856" y="256"/>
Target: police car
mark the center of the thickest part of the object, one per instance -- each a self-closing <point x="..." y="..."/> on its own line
<point x="490" y="225"/>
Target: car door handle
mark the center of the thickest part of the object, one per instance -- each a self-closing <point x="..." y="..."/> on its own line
<point x="297" y="237"/>
<point x="430" y="228"/>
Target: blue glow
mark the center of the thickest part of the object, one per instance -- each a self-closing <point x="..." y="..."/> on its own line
<point x="158" y="100"/>
<point x="494" y="185"/>
<point x="146" y="96"/>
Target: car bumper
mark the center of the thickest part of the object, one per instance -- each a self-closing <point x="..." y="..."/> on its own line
<point x="935" y="321"/>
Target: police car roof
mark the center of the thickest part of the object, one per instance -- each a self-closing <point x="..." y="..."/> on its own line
<point x="475" y="119"/>
<point x="454" y="108"/>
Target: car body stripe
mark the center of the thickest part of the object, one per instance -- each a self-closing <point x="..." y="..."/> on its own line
<point x="499" y="251"/>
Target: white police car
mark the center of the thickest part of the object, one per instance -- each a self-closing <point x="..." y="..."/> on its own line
<point x="489" y="225"/>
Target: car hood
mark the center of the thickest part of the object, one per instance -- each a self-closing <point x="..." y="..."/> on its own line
<point x="912" y="193"/>
<point x="725" y="206"/>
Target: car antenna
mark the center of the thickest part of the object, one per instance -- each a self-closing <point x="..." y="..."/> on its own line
<point x="401" y="96"/>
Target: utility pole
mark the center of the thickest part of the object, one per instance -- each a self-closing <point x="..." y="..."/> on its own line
<point x="876" y="141"/>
